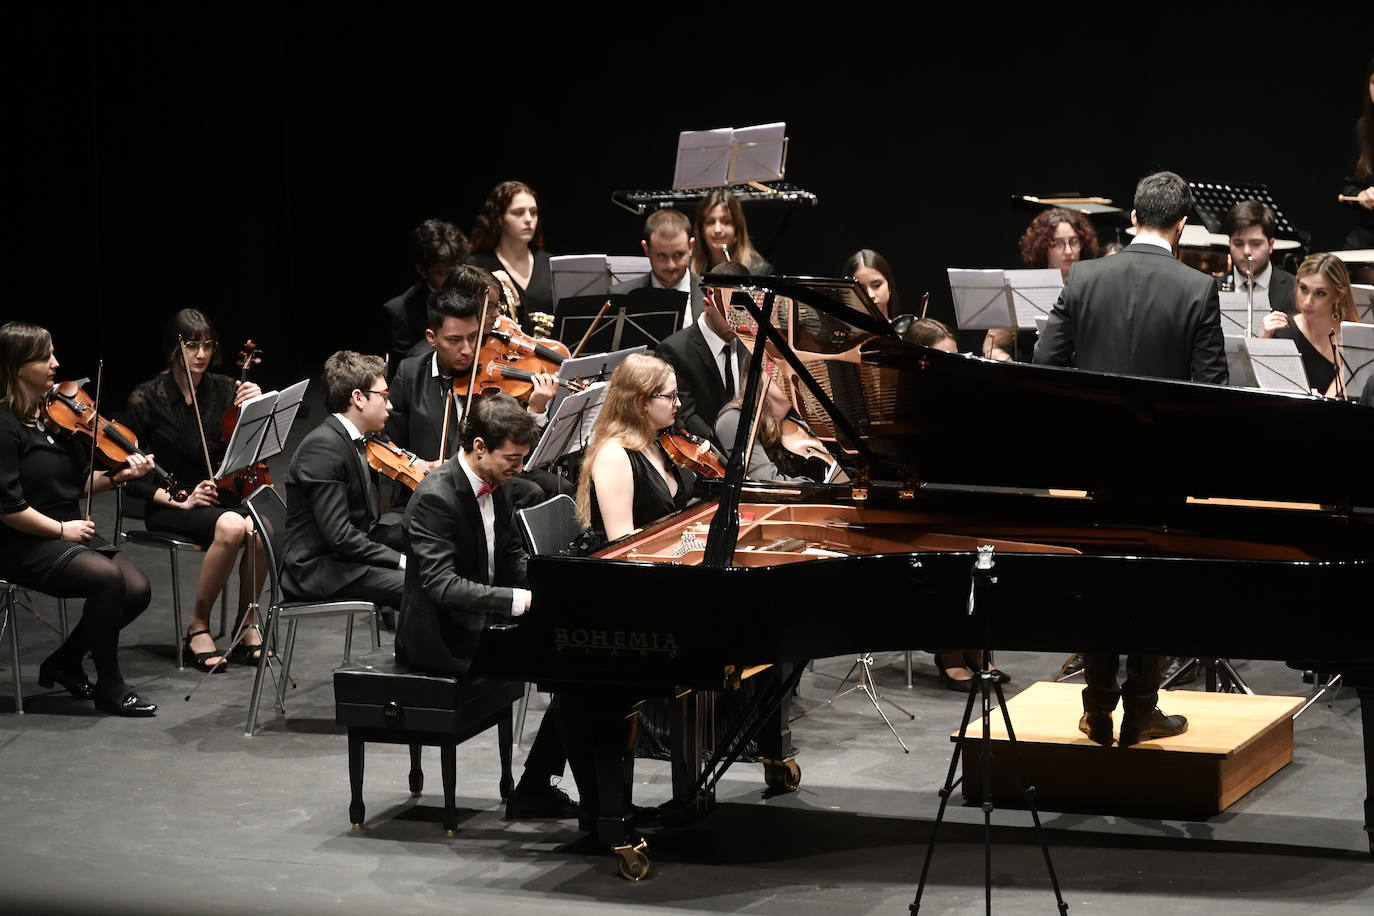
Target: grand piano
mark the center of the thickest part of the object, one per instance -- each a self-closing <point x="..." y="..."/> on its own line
<point x="1121" y="513"/>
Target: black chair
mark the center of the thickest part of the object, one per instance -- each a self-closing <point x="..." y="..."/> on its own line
<point x="549" y="529"/>
<point x="268" y="512"/>
<point x="381" y="701"/>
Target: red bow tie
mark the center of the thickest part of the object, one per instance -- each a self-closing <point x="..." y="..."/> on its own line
<point x="484" y="489"/>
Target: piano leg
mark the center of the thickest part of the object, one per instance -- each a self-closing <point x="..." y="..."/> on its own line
<point x="1366" y="695"/>
<point x="599" y="741"/>
<point x="780" y="771"/>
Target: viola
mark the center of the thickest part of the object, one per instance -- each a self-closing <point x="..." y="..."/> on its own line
<point x="549" y="352"/>
<point x="501" y="370"/>
<point x="692" y="452"/>
<point x="242" y="483"/>
<point x="401" y="465"/>
<point x="69" y="409"/>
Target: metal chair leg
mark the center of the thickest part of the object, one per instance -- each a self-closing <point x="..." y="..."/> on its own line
<point x="12" y="618"/>
<point x="290" y="648"/>
<point x="520" y="713"/>
<point x="269" y="627"/>
<point x="376" y="618"/>
<point x="178" y="632"/>
<point x="62" y="616"/>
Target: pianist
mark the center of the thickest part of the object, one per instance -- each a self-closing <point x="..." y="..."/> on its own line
<point x="1171" y="329"/>
<point x="467" y="569"/>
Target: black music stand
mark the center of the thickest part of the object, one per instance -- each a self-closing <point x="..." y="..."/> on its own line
<point x="989" y="684"/>
<point x="1213" y="199"/>
<point x="640" y="317"/>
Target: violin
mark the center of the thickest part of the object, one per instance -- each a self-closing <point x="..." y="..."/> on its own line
<point x="395" y="462"/>
<point x="692" y="452"/>
<point x="69" y="409"/>
<point x="550" y="352"/>
<point x="244" y="482"/>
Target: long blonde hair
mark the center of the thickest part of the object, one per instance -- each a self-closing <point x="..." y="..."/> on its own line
<point x="624" y="418"/>
<point x="1333" y="269"/>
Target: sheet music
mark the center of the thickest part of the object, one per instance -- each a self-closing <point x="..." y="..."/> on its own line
<point x="570" y="428"/>
<point x="703" y="158"/>
<point x="579" y="275"/>
<point x="591" y="368"/>
<point x="1034" y="292"/>
<point x="759" y="153"/>
<point x="1276" y="364"/>
<point x="1234" y="306"/>
<point x="625" y="267"/>
<point x="1364" y="301"/>
<point x="1357" y="356"/>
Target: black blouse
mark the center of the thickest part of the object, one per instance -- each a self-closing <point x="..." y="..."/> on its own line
<point x="1321" y="372"/>
<point x="652" y="501"/>
<point x="539" y="296"/>
<point x="166" y="426"/>
<point x="40" y="469"/>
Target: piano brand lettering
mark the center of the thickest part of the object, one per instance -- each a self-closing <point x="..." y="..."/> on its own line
<point x="615" y="641"/>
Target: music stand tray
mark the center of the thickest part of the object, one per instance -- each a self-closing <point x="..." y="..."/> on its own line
<point x="641" y="317"/>
<point x="1212" y="200"/>
<point x="999" y="298"/>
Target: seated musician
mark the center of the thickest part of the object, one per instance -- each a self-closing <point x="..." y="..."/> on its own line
<point x="1056" y="238"/>
<point x="467" y="569"/>
<point x="46" y="543"/>
<point x="334" y="547"/>
<point x="419" y="421"/>
<point x="796" y="456"/>
<point x="872" y="270"/>
<point x="1324" y="300"/>
<point x="931" y="333"/>
<point x="627" y="479"/>
<point x="508" y="240"/>
<point x="1251" y="226"/>
<point x="668" y="244"/>
<point x="723" y="236"/>
<point x="708" y="360"/>
<point x="176" y="415"/>
<point x="439" y="248"/>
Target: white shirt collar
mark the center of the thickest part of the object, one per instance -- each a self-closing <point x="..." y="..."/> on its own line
<point x="713" y="340"/>
<point x="476" y="482"/>
<point x="1261" y="280"/>
<point x="349" y="427"/>
<point x="683" y="286"/>
<point x="1155" y="240"/>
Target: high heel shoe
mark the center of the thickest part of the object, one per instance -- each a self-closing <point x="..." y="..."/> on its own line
<point x="123" y="700"/>
<point x="951" y="683"/>
<point x="202" y="659"/>
<point x="245" y="654"/>
<point x="75" y="682"/>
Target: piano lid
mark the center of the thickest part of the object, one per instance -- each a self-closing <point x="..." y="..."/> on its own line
<point x="927" y="416"/>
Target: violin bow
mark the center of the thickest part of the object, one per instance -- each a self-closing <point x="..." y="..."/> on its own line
<point x="587" y="336"/>
<point x="195" y="406"/>
<point x="95" y="432"/>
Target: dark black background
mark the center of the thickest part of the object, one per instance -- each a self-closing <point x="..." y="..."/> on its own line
<point x="266" y="164"/>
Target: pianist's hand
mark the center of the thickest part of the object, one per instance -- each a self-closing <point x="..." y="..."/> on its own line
<point x="1273" y="322"/>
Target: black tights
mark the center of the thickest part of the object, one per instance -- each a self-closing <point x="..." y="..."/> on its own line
<point x="116" y="591"/>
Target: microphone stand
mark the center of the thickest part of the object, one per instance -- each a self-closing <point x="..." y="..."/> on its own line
<point x="1250" y="287"/>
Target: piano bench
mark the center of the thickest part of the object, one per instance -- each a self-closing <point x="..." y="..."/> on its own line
<point x="381" y="701"/>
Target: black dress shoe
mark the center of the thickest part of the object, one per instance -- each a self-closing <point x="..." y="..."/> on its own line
<point x="1156" y="725"/>
<point x="545" y="802"/>
<point x="1097" y="726"/>
<point x="123" y="701"/>
<point x="75" y="682"/>
<point x="952" y="683"/>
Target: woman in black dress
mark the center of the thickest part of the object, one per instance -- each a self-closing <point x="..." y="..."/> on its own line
<point x="161" y="413"/>
<point x="627" y="480"/>
<point x="1324" y="300"/>
<point x="45" y="544"/>
<point x="508" y="240"/>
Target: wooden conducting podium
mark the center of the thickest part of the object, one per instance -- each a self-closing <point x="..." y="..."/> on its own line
<point x="1234" y="742"/>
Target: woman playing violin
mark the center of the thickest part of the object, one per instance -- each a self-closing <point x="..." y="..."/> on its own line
<point x="45" y="543"/>
<point x="627" y="481"/>
<point x="771" y="457"/>
<point x="161" y="411"/>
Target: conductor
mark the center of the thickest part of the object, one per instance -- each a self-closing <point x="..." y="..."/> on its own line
<point x="1140" y="312"/>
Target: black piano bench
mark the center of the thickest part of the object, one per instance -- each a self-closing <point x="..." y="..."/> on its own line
<point x="380" y="700"/>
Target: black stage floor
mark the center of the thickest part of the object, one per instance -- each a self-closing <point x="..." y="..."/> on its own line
<point x="182" y="813"/>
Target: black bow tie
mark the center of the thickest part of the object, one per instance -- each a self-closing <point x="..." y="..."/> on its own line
<point x="360" y="445"/>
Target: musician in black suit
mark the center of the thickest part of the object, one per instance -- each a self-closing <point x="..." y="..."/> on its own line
<point x="334" y="546"/>
<point x="467" y="569"/>
<point x="709" y="362"/>
<point x="1139" y="312"/>
<point x="668" y="244"/>
<point x="439" y="248"/>
<point x="417" y="390"/>
<point x="1251" y="227"/>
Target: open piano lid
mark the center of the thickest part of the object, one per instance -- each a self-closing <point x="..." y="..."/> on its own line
<point x="927" y="416"/>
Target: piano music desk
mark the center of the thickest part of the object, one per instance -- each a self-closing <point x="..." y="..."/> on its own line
<point x="1233" y="743"/>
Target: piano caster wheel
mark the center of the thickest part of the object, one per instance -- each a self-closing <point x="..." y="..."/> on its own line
<point x="357" y="827"/>
<point x="417" y="794"/>
<point x="634" y="860"/>
<point x="453" y="833"/>
<point x="782" y="776"/>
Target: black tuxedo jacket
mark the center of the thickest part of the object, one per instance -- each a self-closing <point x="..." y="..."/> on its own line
<point x="406" y="318"/>
<point x="329" y="517"/>
<point x="698" y="380"/>
<point x="448" y="598"/>
<point x="644" y="282"/>
<point x="1139" y="312"/>
<point x="417" y="409"/>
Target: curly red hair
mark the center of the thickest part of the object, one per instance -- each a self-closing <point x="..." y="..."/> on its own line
<point x="1035" y="242"/>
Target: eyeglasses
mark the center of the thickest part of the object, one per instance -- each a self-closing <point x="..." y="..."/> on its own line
<point x="668" y="397"/>
<point x="193" y="346"/>
<point x="386" y="394"/>
<point x="1074" y="242"/>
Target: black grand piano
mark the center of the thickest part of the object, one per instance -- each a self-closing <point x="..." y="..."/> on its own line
<point x="1122" y="513"/>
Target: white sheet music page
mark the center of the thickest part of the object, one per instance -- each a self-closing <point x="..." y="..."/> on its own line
<point x="759" y="153"/>
<point x="1364" y="301"/>
<point x="703" y="159"/>
<point x="1277" y="364"/>
<point x="980" y="297"/>
<point x="1034" y="293"/>
<point x="579" y="275"/>
<point x="1234" y="306"/>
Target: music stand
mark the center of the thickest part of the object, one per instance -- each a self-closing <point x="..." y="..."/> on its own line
<point x="1364" y="302"/>
<point x="589" y="369"/>
<point x="1212" y="200"/>
<point x="1270" y="364"/>
<point x="641" y="317"/>
<point x="593" y="274"/>
<point x="1357" y="356"/>
<point x="570" y="428"/>
<point x="996" y="298"/>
